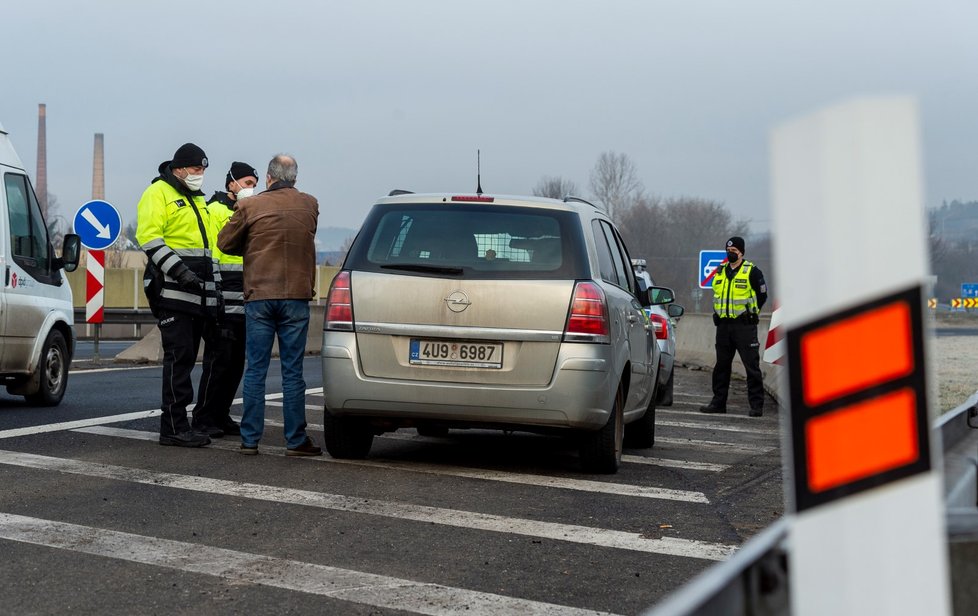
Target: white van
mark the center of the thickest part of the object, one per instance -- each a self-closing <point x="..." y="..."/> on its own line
<point x="37" y="340"/>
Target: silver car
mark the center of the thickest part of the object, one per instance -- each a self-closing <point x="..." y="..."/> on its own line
<point x="473" y="311"/>
<point x="663" y="320"/>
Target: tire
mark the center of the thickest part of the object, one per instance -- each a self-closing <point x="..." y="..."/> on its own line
<point x="346" y="437"/>
<point x="436" y="431"/>
<point x="665" y="396"/>
<point x="53" y="372"/>
<point x="601" y="450"/>
<point x="641" y="434"/>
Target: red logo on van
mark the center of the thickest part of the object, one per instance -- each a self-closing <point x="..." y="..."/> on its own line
<point x="13" y="280"/>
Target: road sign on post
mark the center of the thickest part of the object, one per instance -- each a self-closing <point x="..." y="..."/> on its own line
<point x="710" y="260"/>
<point x="969" y="289"/>
<point x="868" y="532"/>
<point x="94" y="286"/>
<point x="98" y="224"/>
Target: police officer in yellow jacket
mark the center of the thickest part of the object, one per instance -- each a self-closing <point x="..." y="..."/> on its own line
<point x="181" y="282"/>
<point x="224" y="342"/>
<point x="739" y="293"/>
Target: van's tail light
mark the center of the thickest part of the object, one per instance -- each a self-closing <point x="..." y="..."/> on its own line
<point x="588" y="319"/>
<point x="339" y="304"/>
<point x="661" y="325"/>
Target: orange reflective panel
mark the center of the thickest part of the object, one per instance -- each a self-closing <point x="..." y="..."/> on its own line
<point x="856" y="353"/>
<point x="862" y="440"/>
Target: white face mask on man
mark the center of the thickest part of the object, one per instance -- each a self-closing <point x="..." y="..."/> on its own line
<point x="244" y="192"/>
<point x="193" y="182"/>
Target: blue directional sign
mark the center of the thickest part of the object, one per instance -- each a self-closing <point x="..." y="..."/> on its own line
<point x="98" y="224"/>
<point x="710" y="260"/>
<point x="969" y="289"/>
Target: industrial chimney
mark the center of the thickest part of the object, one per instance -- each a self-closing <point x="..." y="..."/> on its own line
<point x="41" y="186"/>
<point x="98" y="169"/>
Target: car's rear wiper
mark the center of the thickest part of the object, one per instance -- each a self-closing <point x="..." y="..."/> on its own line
<point x="428" y="269"/>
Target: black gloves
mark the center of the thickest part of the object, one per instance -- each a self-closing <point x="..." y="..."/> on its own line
<point x="754" y="318"/>
<point x="716" y="319"/>
<point x="186" y="278"/>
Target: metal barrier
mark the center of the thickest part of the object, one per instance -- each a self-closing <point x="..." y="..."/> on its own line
<point x="120" y="316"/>
<point x="754" y="581"/>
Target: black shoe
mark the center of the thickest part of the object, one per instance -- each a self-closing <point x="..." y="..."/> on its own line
<point x="230" y="428"/>
<point x="190" y="438"/>
<point x="709" y="408"/>
<point x="756" y="412"/>
<point x="248" y="450"/>
<point x="211" y="431"/>
<point x="306" y="449"/>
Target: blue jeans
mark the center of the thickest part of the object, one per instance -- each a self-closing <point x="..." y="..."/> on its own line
<point x="289" y="320"/>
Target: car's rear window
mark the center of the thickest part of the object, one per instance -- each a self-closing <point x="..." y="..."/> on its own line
<point x="470" y="240"/>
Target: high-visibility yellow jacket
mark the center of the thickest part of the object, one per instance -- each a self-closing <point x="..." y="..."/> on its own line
<point x="175" y="231"/>
<point x="734" y="296"/>
<point x="221" y="208"/>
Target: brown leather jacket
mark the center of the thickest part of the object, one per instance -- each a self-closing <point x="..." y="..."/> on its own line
<point x="275" y="232"/>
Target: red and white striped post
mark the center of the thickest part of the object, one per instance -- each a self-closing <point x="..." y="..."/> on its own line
<point x="95" y="292"/>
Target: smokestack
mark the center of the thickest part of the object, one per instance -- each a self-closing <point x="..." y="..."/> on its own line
<point x="41" y="185"/>
<point x="98" y="169"/>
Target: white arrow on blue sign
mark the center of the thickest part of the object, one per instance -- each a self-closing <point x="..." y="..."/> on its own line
<point x="710" y="260"/>
<point x="98" y="224"/>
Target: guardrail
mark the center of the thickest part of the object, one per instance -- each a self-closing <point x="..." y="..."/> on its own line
<point x="120" y="316"/>
<point x="754" y="581"/>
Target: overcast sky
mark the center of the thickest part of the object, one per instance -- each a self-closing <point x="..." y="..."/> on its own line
<point x="374" y="95"/>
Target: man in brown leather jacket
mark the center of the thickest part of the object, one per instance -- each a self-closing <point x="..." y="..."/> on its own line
<point x="275" y="232"/>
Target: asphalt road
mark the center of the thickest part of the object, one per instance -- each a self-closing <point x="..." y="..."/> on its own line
<point x="96" y="517"/>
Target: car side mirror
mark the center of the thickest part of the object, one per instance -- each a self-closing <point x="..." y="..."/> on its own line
<point x="70" y="252"/>
<point x="660" y="295"/>
<point x="675" y="311"/>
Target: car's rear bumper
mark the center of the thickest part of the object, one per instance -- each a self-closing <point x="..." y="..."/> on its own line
<point x="579" y="396"/>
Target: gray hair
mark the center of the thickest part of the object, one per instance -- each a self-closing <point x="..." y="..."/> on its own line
<point x="283" y="168"/>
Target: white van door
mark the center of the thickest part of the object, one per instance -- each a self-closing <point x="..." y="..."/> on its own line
<point x="32" y="286"/>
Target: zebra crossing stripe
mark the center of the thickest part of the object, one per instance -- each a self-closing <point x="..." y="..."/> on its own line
<point x="241" y="567"/>
<point x="688" y="548"/>
<point x="583" y="485"/>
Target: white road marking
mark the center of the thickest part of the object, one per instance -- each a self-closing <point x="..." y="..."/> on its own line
<point x="717" y="446"/>
<point x="241" y="567"/>
<point x="680" y="394"/>
<point x="107" y="419"/>
<point x="726" y="416"/>
<point x="582" y="485"/>
<point x="98" y="370"/>
<point x="684" y="464"/>
<point x="309" y="407"/>
<point x="621" y="540"/>
<point x="80" y="423"/>
<point x="702" y="425"/>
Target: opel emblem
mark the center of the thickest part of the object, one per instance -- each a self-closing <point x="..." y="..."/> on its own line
<point x="457" y="301"/>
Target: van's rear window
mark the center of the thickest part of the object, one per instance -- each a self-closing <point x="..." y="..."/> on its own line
<point x="478" y="240"/>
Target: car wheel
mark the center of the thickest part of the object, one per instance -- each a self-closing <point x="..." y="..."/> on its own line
<point x="437" y="431"/>
<point x="346" y="437"/>
<point x="601" y="450"/>
<point x="641" y="434"/>
<point x="53" y="372"/>
<point x="665" y="396"/>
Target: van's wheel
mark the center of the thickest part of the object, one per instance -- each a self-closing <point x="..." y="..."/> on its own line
<point x="641" y="434"/>
<point x="53" y="372"/>
<point x="347" y="437"/>
<point x="665" y="396"/>
<point x="601" y="450"/>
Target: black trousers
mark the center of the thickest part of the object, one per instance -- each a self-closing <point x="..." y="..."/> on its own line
<point x="180" y="335"/>
<point x="737" y="336"/>
<point x="224" y="361"/>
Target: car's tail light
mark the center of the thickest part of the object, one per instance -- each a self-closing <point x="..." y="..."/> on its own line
<point x="588" y="319"/>
<point x="661" y="325"/>
<point x="473" y="198"/>
<point x="339" y="304"/>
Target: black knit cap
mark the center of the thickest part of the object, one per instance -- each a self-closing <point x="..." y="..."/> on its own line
<point x="738" y="243"/>
<point x="240" y="171"/>
<point x="188" y="155"/>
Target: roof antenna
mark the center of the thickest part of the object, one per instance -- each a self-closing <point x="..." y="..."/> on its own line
<point x="478" y="172"/>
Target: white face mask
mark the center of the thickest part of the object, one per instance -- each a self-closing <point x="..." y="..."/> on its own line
<point x="245" y="192"/>
<point x="194" y="182"/>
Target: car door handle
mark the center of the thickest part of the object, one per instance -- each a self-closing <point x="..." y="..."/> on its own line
<point x="632" y="318"/>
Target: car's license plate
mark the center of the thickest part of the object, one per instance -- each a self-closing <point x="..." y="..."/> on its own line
<point x="456" y="353"/>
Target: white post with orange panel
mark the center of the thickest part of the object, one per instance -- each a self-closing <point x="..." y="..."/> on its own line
<point x="864" y="490"/>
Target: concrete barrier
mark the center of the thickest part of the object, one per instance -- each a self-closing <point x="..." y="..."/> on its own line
<point x="149" y="349"/>
<point x="696" y="347"/>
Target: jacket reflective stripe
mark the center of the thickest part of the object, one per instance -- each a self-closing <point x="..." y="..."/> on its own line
<point x="231" y="267"/>
<point x="193" y="252"/>
<point x="731" y="300"/>
<point x="233" y="296"/>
